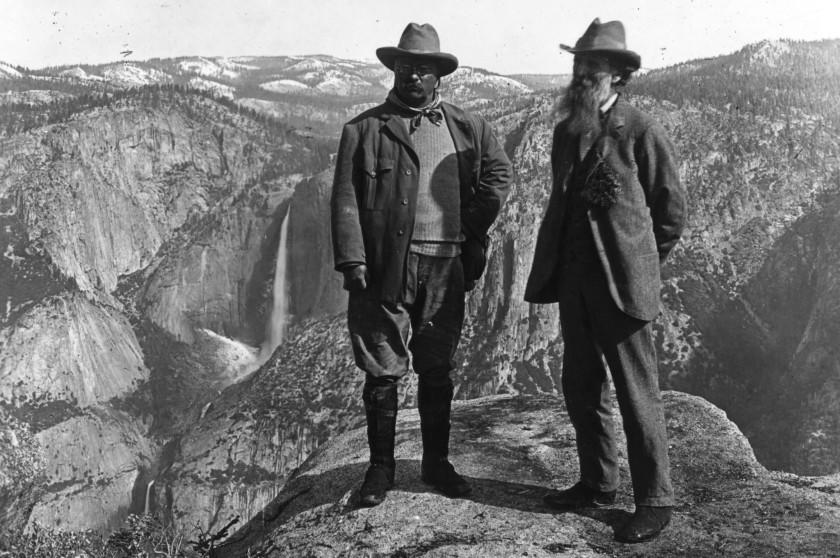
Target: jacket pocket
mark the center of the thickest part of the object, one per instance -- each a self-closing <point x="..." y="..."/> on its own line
<point x="474" y="257"/>
<point x="378" y="178"/>
<point x="639" y="289"/>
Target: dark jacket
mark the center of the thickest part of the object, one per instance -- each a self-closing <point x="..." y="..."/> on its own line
<point x="634" y="234"/>
<point x="374" y="194"/>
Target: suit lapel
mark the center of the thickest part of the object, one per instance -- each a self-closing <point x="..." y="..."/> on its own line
<point x="395" y="128"/>
<point x="464" y="139"/>
<point x="613" y="127"/>
<point x="460" y="130"/>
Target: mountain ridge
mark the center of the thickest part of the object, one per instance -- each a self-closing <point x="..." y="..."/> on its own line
<point x="319" y="92"/>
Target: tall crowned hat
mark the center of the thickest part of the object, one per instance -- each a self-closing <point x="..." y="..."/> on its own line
<point x="608" y="40"/>
<point x="419" y="41"/>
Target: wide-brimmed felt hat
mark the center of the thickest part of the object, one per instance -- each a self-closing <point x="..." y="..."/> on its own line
<point x="419" y="41"/>
<point x="606" y="39"/>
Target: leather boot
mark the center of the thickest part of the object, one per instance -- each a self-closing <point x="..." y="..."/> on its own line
<point x="381" y="413"/>
<point x="435" y="405"/>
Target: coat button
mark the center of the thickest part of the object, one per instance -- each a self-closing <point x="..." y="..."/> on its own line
<point x="400" y="232"/>
<point x="408" y="171"/>
<point x="404" y="201"/>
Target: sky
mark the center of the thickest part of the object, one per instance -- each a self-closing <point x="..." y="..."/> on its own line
<point x="519" y="36"/>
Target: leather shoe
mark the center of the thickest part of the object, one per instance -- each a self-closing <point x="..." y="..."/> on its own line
<point x="579" y="496"/>
<point x="442" y="475"/>
<point x="647" y="522"/>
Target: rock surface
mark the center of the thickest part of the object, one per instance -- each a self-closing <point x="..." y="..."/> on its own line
<point x="512" y="449"/>
<point x="68" y="350"/>
<point x="67" y="368"/>
<point x="95" y="462"/>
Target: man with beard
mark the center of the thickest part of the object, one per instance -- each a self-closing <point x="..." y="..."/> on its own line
<point x="418" y="182"/>
<point x="615" y="212"/>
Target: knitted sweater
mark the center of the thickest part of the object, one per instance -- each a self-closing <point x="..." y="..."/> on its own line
<point x="437" y="225"/>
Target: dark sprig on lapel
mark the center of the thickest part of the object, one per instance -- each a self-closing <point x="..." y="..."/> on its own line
<point x="602" y="185"/>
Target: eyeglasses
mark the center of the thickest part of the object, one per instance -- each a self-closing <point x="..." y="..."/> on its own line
<point x="411" y="69"/>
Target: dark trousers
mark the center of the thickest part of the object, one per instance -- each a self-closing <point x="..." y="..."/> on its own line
<point x="598" y="335"/>
<point x="423" y="331"/>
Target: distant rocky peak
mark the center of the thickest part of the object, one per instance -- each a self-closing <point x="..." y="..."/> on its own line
<point x="78" y="73"/>
<point x="467" y="76"/>
<point x="131" y="75"/>
<point x="768" y="52"/>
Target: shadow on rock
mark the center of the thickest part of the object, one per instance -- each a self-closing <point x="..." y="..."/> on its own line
<point x="513" y="450"/>
<point x="336" y="492"/>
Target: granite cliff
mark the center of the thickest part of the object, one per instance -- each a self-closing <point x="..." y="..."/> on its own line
<point x="132" y="232"/>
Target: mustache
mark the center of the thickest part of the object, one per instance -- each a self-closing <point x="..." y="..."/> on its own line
<point x="409" y="84"/>
<point x="583" y="82"/>
<point x="580" y="97"/>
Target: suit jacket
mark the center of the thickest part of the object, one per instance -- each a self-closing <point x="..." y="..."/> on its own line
<point x="374" y="194"/>
<point x="634" y="235"/>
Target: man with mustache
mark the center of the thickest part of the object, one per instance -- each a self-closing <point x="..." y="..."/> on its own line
<point x="616" y="210"/>
<point x="418" y="182"/>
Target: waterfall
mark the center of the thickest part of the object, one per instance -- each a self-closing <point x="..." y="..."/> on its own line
<point x="279" y="319"/>
<point x="147" y="507"/>
<point x="234" y="359"/>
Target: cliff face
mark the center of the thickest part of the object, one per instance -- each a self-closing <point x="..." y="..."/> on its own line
<point x="239" y="452"/>
<point x="95" y="462"/>
<point x="746" y="283"/>
<point x="509" y="345"/>
<point x="816" y="361"/>
<point x="67" y="366"/>
<point x="135" y="232"/>
<point x="79" y="191"/>
<point x="784" y="346"/>
<point x="314" y="286"/>
<point x="68" y="350"/>
<point x="512" y="450"/>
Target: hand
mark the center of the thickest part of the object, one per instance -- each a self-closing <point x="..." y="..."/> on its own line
<point x="356" y="278"/>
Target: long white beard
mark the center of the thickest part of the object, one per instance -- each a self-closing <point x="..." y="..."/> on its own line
<point x="581" y="103"/>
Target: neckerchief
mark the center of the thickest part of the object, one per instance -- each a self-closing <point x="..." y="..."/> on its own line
<point x="431" y="111"/>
